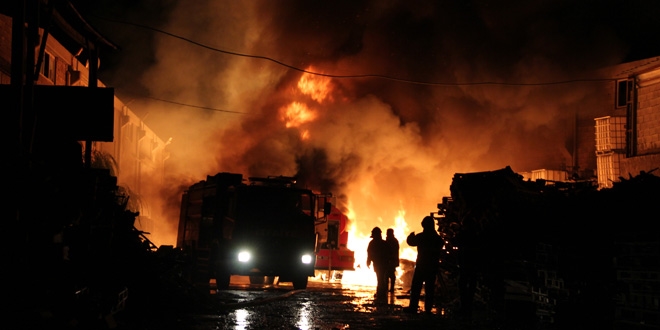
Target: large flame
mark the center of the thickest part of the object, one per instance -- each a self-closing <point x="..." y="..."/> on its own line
<point x="297" y="114"/>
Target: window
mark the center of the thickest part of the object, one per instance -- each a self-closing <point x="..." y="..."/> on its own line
<point x="48" y="66"/>
<point x="623" y="91"/>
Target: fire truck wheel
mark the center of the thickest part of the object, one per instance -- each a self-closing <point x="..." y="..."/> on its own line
<point x="300" y="283"/>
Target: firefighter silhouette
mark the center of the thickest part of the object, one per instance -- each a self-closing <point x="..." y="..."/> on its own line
<point x="429" y="248"/>
<point x="377" y="252"/>
<point x="393" y="263"/>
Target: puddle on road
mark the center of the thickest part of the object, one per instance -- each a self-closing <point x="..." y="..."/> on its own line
<point x="364" y="301"/>
<point x="324" y="305"/>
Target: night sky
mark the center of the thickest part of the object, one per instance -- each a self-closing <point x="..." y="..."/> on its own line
<point x="410" y="92"/>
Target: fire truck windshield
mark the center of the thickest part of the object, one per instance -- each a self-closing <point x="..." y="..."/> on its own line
<point x="264" y="202"/>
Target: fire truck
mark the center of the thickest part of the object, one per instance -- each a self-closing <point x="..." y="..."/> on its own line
<point x="262" y="227"/>
<point x="332" y="253"/>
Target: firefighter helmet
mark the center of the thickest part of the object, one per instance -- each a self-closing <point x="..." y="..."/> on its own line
<point x="376" y="232"/>
<point x="428" y="222"/>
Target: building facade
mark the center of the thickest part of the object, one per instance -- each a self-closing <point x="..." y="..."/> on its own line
<point x="136" y="155"/>
<point x="628" y="140"/>
<point x="643" y="117"/>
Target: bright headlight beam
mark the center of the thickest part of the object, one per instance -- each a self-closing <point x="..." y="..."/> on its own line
<point x="244" y="256"/>
<point x="306" y="259"/>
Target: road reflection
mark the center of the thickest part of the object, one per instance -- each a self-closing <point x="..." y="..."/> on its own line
<point x="325" y="304"/>
<point x="240" y="317"/>
<point x="304" y="320"/>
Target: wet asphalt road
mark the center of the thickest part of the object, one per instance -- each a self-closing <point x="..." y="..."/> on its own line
<point x="324" y="305"/>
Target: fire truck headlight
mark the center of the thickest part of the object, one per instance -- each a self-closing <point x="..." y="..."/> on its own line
<point x="244" y="256"/>
<point x="306" y="259"/>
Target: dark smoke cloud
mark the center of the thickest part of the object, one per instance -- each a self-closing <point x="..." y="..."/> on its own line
<point x="382" y="145"/>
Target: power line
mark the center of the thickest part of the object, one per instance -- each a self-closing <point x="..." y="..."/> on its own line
<point x="410" y="81"/>
<point x="194" y="106"/>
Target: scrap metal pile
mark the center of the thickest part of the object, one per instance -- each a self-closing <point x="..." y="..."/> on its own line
<point x="550" y="245"/>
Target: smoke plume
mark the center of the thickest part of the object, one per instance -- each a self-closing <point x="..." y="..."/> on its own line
<point x="398" y="108"/>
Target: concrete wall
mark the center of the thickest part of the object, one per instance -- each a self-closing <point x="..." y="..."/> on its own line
<point x="648" y="115"/>
<point x="634" y="165"/>
<point x="647" y="125"/>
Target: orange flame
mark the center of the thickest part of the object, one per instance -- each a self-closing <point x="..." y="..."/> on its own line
<point x="304" y="135"/>
<point x="358" y="242"/>
<point x="304" y="110"/>
<point x="315" y="86"/>
<point x="296" y="114"/>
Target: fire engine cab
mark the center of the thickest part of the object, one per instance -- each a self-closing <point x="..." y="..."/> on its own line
<point x="259" y="227"/>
